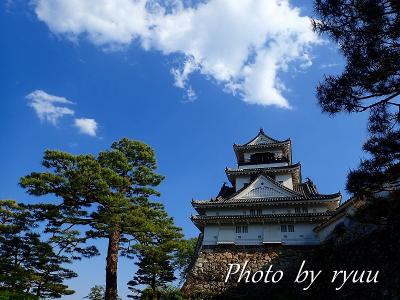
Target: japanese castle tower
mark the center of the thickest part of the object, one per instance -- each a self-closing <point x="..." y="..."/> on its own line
<point x="268" y="201"/>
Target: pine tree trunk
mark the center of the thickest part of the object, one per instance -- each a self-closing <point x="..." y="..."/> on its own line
<point x="112" y="265"/>
<point x="153" y="287"/>
<point x="39" y="291"/>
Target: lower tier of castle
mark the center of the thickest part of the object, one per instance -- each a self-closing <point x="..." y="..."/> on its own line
<point x="259" y="234"/>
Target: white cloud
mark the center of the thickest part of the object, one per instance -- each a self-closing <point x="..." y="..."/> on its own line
<point x="103" y="21"/>
<point x="241" y="45"/>
<point x="190" y="94"/>
<point x="324" y="66"/>
<point x="47" y="107"/>
<point x="86" y="126"/>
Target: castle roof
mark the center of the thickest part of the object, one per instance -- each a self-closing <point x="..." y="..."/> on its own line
<point x="200" y="220"/>
<point x="263" y="142"/>
<point x="341" y="211"/>
<point x="261" y="138"/>
<point x="265" y="190"/>
<point x="293" y="169"/>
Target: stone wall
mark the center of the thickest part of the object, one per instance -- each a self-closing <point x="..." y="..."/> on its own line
<point x="361" y="247"/>
<point x="211" y="265"/>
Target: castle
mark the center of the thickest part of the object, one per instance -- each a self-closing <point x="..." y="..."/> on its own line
<point x="268" y="202"/>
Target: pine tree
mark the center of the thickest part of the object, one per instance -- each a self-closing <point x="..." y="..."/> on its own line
<point x="156" y="257"/>
<point x="185" y="256"/>
<point x="368" y="35"/>
<point x="29" y="267"/>
<point x="109" y="193"/>
<point x="96" y="293"/>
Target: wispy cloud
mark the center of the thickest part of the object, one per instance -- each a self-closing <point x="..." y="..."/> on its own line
<point x="51" y="108"/>
<point x="324" y="66"/>
<point x="86" y="126"/>
<point x="48" y="107"/>
<point x="241" y="45"/>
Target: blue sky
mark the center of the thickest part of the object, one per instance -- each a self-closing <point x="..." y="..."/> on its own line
<point x="137" y="88"/>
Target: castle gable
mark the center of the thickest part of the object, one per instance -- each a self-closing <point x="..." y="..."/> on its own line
<point x="261" y="139"/>
<point x="264" y="187"/>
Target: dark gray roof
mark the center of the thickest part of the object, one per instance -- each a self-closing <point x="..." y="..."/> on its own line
<point x="338" y="213"/>
<point x="294" y="169"/>
<point x="270" y="200"/>
<point x="263" y="170"/>
<point x="274" y="218"/>
<point x="307" y="188"/>
<point x="262" y="146"/>
<point x="304" y="192"/>
<point x="262" y="133"/>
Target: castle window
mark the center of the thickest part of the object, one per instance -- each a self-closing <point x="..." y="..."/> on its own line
<point x="304" y="210"/>
<point x="260" y="158"/>
<point x="283" y="228"/>
<point x="257" y="211"/>
<point x="242" y="229"/>
<point x="297" y="210"/>
<point x="291" y="228"/>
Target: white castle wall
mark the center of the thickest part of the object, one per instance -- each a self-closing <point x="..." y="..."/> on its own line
<point x="257" y="234"/>
<point x="265" y="210"/>
<point x="241" y="181"/>
<point x="270" y="165"/>
<point x="285" y="179"/>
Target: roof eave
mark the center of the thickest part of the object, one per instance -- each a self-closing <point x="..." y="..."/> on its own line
<point x="264" y="218"/>
<point x="285" y="200"/>
<point x="266" y="145"/>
